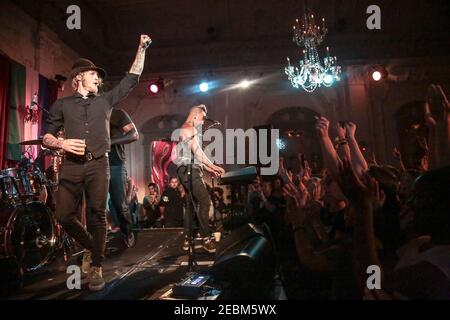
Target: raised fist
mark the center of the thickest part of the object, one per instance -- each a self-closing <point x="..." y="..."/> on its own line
<point x="145" y="41"/>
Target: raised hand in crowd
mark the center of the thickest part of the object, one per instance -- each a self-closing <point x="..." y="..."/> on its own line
<point x="322" y="127"/>
<point x="350" y="129"/>
<point x="353" y="186"/>
<point x="330" y="157"/>
<point x="363" y="194"/>
<point x="296" y="203"/>
<point x="342" y="147"/>
<point x="358" y="161"/>
<point x="398" y="156"/>
<point x="429" y="118"/>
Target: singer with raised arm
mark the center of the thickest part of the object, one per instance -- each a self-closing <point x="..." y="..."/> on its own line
<point x="85" y="117"/>
<point x="191" y="162"/>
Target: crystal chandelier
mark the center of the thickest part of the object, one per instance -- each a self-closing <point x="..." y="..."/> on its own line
<point x="312" y="73"/>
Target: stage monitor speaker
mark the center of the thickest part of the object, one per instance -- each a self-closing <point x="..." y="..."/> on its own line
<point x="246" y="260"/>
<point x="237" y="236"/>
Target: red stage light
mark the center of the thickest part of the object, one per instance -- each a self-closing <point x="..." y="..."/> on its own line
<point x="156" y="86"/>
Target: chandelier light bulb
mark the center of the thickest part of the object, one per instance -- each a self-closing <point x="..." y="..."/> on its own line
<point x="328" y="79"/>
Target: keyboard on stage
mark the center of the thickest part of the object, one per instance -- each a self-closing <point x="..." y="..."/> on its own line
<point x="241" y="176"/>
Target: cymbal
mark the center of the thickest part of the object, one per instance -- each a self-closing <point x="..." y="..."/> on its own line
<point x="31" y="142"/>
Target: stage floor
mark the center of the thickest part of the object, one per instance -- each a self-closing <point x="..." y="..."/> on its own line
<point x="144" y="272"/>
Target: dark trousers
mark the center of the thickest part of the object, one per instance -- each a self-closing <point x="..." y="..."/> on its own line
<point x="118" y="196"/>
<point x="92" y="177"/>
<point x="200" y="196"/>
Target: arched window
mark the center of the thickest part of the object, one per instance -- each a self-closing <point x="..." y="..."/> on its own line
<point x="297" y="135"/>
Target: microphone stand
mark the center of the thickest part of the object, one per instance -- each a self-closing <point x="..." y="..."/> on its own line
<point x="35" y="103"/>
<point x="39" y="107"/>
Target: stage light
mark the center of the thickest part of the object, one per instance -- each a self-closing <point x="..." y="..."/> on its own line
<point x="378" y="73"/>
<point x="156" y="86"/>
<point x="204" y="86"/>
<point x="244" y="84"/>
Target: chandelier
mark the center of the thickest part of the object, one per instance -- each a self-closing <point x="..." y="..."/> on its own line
<point x="311" y="73"/>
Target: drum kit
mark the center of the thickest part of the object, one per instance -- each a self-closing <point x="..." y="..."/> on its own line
<point x="29" y="232"/>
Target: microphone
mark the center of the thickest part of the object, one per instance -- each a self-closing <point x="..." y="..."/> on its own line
<point x="217" y="123"/>
<point x="34" y="103"/>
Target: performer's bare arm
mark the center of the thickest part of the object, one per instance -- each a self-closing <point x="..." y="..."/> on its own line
<point x="189" y="133"/>
<point x="138" y="64"/>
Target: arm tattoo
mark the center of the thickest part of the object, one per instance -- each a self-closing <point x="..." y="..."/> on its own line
<point x="51" y="142"/>
<point x="138" y="64"/>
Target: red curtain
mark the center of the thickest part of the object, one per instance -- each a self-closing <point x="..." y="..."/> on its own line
<point x="5" y="65"/>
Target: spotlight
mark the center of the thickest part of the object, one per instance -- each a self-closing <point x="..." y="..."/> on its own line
<point x="244" y="84"/>
<point x="376" y="75"/>
<point x="156" y="86"/>
<point x="204" y="86"/>
<point x="379" y="73"/>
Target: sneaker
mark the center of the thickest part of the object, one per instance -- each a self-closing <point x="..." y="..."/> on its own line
<point x="86" y="262"/>
<point x="96" y="281"/>
<point x="186" y="245"/>
<point x="209" y="245"/>
<point x="130" y="240"/>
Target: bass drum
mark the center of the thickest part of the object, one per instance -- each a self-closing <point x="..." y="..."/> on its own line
<point x="28" y="234"/>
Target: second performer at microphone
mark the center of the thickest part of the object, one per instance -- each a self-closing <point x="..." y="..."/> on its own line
<point x="189" y="139"/>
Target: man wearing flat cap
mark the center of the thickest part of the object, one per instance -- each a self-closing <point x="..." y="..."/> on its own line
<point x="85" y="118"/>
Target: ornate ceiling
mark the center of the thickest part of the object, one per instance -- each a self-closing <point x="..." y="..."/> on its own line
<point x="205" y="34"/>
